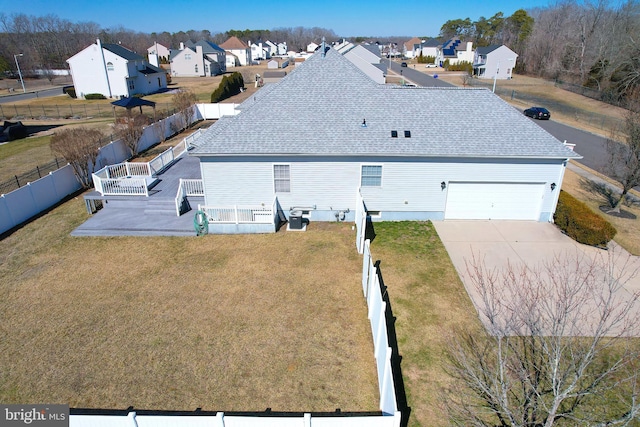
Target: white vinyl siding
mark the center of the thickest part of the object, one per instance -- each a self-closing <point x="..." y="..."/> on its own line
<point x="282" y="178"/>
<point x="409" y="185"/>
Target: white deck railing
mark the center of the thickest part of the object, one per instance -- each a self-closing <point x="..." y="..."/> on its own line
<point x="124" y="187"/>
<point x="106" y="179"/>
<point x="189" y="140"/>
<point x="238" y="214"/>
<point x="187" y="188"/>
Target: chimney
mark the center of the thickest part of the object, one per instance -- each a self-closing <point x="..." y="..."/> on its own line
<point x="181" y="46"/>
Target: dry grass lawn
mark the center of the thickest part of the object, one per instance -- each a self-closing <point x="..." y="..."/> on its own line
<point x="244" y="322"/>
<point x="429" y="303"/>
<point x="565" y="106"/>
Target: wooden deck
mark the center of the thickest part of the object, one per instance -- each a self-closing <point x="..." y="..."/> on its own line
<point x="146" y="216"/>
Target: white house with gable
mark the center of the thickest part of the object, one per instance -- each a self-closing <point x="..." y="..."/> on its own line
<point x="495" y="61"/>
<point x="114" y="71"/>
<point x="398" y="147"/>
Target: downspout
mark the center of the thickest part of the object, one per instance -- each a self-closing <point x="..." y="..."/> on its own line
<point x="104" y="67"/>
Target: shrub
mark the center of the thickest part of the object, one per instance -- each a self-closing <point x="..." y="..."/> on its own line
<point x="461" y="66"/>
<point x="94" y="96"/>
<point x="71" y="91"/>
<point x="580" y="223"/>
<point x="229" y="86"/>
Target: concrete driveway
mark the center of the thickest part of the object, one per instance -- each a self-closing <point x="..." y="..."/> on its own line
<point x="498" y="243"/>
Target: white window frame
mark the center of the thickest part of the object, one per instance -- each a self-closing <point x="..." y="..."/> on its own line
<point x="187" y="57"/>
<point x="362" y="166"/>
<point x="279" y="179"/>
<point x="110" y="66"/>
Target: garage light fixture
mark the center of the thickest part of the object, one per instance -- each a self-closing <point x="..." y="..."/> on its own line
<point x="443" y="185"/>
<point x="553" y="186"/>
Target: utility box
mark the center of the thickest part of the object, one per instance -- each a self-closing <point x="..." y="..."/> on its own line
<point x="295" y="220"/>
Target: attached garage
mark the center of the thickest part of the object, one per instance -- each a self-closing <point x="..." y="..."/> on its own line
<point x="494" y="200"/>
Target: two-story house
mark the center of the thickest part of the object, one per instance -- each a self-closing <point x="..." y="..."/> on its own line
<point x="238" y="49"/>
<point x="455" y="51"/>
<point x="114" y="71"/>
<point x="198" y="59"/>
<point x="494" y="62"/>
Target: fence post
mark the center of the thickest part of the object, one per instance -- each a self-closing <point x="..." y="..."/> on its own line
<point x="17" y="181"/>
<point x="38" y="170"/>
<point x="235" y="208"/>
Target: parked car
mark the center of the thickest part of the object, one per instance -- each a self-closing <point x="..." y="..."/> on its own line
<point x="404" y="64"/>
<point x="537" y="113"/>
<point x="431" y="65"/>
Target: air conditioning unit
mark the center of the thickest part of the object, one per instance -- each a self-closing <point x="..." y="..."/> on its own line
<point x="295" y="220"/>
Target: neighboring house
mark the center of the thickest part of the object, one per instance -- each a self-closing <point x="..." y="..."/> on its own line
<point x="114" y="71"/>
<point x="495" y="61"/>
<point x="160" y="51"/>
<point x="429" y="47"/>
<point x="367" y="58"/>
<point x="259" y="51"/>
<point x="311" y="47"/>
<point x="239" y="49"/>
<point x="282" y="49"/>
<point x="198" y="59"/>
<point x="334" y="133"/>
<point x="271" y="47"/>
<point x="411" y="48"/>
<point x="455" y="51"/>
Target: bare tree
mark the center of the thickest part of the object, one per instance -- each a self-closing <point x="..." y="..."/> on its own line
<point x="557" y="348"/>
<point x="184" y="101"/>
<point x="130" y="129"/>
<point x="80" y="147"/>
<point x="624" y="157"/>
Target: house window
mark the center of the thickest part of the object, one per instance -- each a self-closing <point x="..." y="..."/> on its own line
<point x="131" y="85"/>
<point x="187" y="57"/>
<point x="281" y="178"/>
<point x="371" y="176"/>
<point x="109" y="66"/>
<point x="196" y="68"/>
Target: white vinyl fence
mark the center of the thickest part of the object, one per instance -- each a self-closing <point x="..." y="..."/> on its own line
<point x="24" y="203"/>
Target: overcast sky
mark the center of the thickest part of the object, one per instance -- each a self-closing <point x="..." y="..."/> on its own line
<point x="345" y="18"/>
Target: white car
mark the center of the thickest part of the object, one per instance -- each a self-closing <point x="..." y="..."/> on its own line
<point x="431" y="66"/>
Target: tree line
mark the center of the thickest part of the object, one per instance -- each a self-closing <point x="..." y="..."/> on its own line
<point x="593" y="43"/>
<point x="46" y="42"/>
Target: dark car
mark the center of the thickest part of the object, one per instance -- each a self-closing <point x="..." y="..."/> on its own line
<point x="404" y="64"/>
<point x="538" y="113"/>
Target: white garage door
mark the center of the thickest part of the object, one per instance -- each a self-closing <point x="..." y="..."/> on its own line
<point x="494" y="200"/>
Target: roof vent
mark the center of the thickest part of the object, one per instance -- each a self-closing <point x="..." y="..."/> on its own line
<point x="407" y="134"/>
<point x="394" y="134"/>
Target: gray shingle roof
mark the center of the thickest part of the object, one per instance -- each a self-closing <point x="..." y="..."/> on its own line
<point x="318" y="109"/>
<point x="122" y="52"/>
<point x="487" y="49"/>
